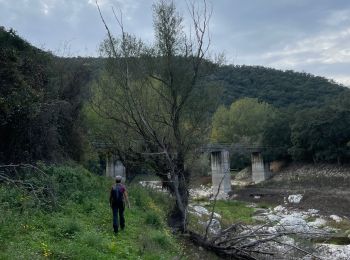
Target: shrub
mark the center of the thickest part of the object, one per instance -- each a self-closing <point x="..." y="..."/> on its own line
<point x="153" y="219"/>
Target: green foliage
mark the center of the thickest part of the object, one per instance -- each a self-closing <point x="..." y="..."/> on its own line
<point x="153" y="219"/>
<point x="282" y="89"/>
<point x="313" y="134"/>
<point x="322" y="135"/>
<point x="82" y="228"/>
<point x="239" y="160"/>
<point x="244" y="122"/>
<point x="233" y="212"/>
<point x="277" y="134"/>
<point x="40" y="102"/>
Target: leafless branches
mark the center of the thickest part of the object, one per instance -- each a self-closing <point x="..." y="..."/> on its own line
<point x="146" y="91"/>
<point x="243" y="242"/>
<point x="31" y="179"/>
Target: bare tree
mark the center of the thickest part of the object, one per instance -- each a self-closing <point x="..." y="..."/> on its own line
<point x="154" y="97"/>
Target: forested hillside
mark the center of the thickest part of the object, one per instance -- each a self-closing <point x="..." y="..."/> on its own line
<point x="279" y="88"/>
<point x="41" y="97"/>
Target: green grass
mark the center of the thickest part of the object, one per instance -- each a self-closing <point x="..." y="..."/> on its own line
<point x="81" y="227"/>
<point x="233" y="211"/>
<point x="343" y="225"/>
<point x="265" y="205"/>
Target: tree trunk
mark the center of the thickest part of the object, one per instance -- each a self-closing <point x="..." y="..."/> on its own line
<point x="177" y="217"/>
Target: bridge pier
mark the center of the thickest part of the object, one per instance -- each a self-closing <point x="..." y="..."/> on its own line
<point x="114" y="167"/>
<point x="260" y="171"/>
<point x="220" y="172"/>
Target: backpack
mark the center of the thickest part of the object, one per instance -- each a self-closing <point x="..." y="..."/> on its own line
<point x="117" y="195"/>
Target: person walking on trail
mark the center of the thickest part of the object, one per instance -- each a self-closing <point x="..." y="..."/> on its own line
<point x="117" y="200"/>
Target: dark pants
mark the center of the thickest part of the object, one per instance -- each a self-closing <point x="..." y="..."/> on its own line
<point x="118" y="210"/>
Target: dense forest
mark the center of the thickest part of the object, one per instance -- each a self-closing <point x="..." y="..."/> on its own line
<point x="278" y="88"/>
<point x="42" y="99"/>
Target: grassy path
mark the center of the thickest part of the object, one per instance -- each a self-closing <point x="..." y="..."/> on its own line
<point x="81" y="228"/>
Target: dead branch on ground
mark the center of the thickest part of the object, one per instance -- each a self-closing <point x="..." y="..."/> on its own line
<point x="31" y="179"/>
<point x="241" y="242"/>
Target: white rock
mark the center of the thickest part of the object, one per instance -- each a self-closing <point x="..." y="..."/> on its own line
<point x="260" y="211"/>
<point x="317" y="223"/>
<point x="201" y="210"/>
<point x="313" y="211"/>
<point x="154" y="185"/>
<point x="271" y="230"/>
<point x="214" y="227"/>
<point x="259" y="218"/>
<point x="234" y="196"/>
<point x="279" y="208"/>
<point x="217" y="215"/>
<point x="273" y="218"/>
<point x="336" y="252"/>
<point x="293" y="223"/>
<point x="297" y="214"/>
<point x="251" y="205"/>
<point x="288" y="240"/>
<point x="201" y="192"/>
<point x="336" y="218"/>
<point x="295" y="198"/>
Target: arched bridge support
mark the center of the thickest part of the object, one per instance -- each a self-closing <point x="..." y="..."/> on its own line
<point x="220" y="172"/>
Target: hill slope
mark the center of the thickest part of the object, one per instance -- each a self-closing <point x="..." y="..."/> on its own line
<point x="279" y="88"/>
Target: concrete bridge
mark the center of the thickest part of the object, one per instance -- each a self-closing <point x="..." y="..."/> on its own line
<point x="220" y="164"/>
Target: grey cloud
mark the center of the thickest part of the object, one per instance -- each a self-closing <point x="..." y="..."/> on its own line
<point x="286" y="34"/>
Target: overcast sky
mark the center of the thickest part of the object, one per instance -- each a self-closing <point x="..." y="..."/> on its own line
<point x="303" y="35"/>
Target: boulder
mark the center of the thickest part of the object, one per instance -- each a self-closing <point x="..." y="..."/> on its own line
<point x="279" y="208"/>
<point x="295" y="198"/>
<point x="259" y="218"/>
<point x="200" y="211"/>
<point x="336" y="218"/>
<point x="273" y="218"/>
<point x="293" y="223"/>
<point x="318" y="223"/>
<point x="214" y="228"/>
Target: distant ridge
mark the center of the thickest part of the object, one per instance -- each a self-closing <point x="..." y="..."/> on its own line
<point x="277" y="87"/>
<point x="280" y="88"/>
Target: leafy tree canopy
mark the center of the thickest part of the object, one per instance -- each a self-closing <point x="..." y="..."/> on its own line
<point x="244" y="122"/>
<point x="282" y="89"/>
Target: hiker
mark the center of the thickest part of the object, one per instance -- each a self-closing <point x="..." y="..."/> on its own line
<point x="117" y="200"/>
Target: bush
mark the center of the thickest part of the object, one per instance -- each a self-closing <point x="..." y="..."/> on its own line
<point x="140" y="196"/>
<point x="64" y="227"/>
<point x="153" y="219"/>
<point x="160" y="239"/>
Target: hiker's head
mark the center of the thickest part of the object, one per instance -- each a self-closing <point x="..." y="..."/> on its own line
<point x="118" y="179"/>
